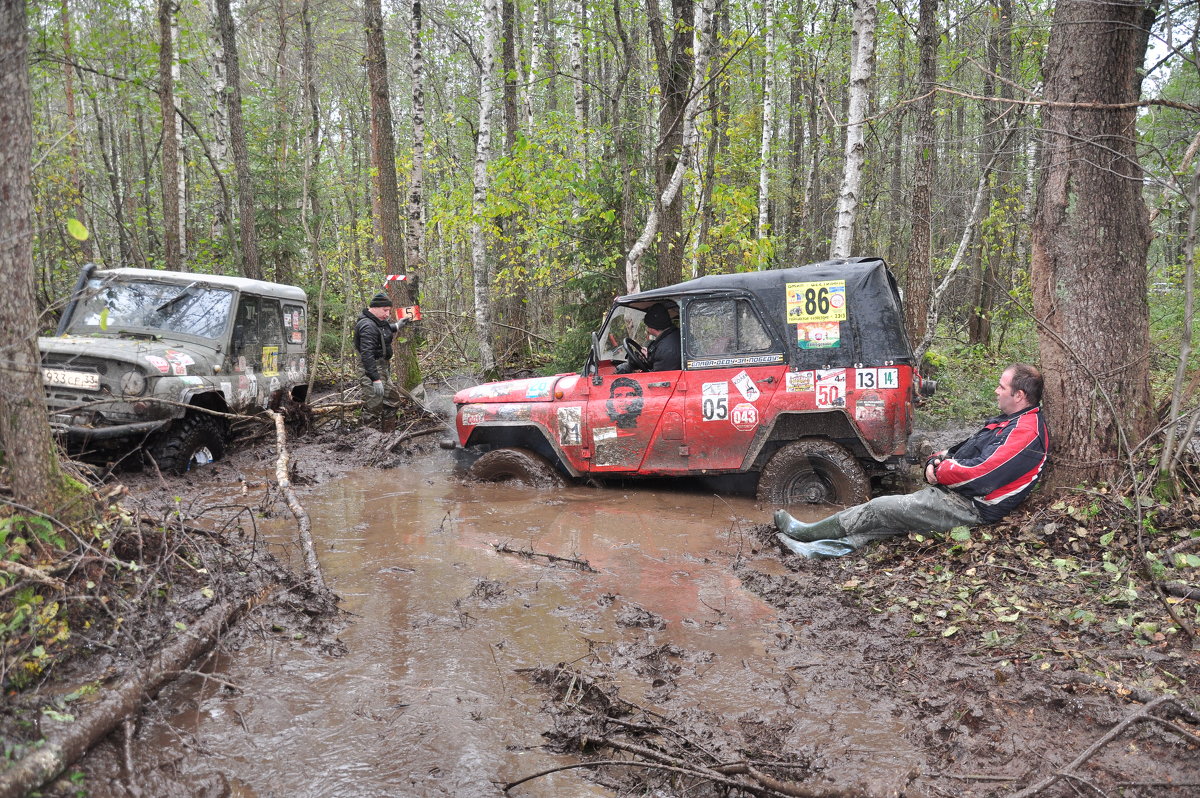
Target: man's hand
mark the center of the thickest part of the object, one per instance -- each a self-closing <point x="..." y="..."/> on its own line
<point x="931" y="469"/>
<point x="378" y="388"/>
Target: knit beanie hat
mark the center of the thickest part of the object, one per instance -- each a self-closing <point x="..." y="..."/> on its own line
<point x="658" y="317"/>
<point x="381" y="300"/>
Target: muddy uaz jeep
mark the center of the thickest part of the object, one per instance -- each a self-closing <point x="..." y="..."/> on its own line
<point x="139" y="353"/>
<point x="804" y="376"/>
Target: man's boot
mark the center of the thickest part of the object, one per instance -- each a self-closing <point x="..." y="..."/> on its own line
<point x="825" y="529"/>
<point x="817" y="550"/>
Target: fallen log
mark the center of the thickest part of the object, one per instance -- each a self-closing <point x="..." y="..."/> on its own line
<point x="66" y="742"/>
<point x="311" y="564"/>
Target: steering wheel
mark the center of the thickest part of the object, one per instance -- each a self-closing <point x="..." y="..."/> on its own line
<point x="636" y="355"/>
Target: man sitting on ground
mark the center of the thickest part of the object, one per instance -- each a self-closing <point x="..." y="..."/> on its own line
<point x="977" y="481"/>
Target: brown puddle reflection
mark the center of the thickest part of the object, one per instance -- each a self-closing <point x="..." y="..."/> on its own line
<point x="427" y="700"/>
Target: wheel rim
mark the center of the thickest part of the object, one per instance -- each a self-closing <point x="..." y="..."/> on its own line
<point x="202" y="456"/>
<point x="810" y="487"/>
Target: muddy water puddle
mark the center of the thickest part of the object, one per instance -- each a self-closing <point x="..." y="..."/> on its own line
<point x="429" y="697"/>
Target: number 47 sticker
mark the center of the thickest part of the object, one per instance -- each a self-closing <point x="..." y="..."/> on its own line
<point x="869" y="379"/>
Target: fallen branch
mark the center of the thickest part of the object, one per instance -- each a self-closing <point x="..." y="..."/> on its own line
<point x="408" y="436"/>
<point x="25" y="572"/>
<point x="583" y="565"/>
<point x="65" y="743"/>
<point x="1142" y="714"/>
<point x="311" y="564"/>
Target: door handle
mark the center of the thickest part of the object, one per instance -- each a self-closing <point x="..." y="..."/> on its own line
<point x="767" y="380"/>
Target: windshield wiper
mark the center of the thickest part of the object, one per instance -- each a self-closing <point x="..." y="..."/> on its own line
<point x="185" y="292"/>
<point x="146" y="336"/>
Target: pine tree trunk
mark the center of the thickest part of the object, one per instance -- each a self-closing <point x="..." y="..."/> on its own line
<point x="861" y="70"/>
<point x="1090" y="237"/>
<point x="172" y="246"/>
<point x="25" y="446"/>
<point x="251" y="267"/>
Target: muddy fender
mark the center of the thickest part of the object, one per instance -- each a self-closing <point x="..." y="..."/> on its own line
<point x="517" y="465"/>
<point x="813" y="471"/>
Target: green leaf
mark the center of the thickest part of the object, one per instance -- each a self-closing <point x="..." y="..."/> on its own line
<point x="1107" y="538"/>
<point x="949" y="630"/>
<point x="960" y="533"/>
<point x="104" y="319"/>
<point x="77" y="230"/>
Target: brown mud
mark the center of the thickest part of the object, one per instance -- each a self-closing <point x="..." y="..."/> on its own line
<point x="492" y="632"/>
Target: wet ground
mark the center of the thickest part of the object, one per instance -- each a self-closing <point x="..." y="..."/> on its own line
<point x="672" y="600"/>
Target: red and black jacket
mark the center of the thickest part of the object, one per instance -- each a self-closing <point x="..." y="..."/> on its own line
<point x="998" y="466"/>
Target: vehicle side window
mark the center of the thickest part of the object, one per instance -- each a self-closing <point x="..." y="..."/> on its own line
<point x="293" y="324"/>
<point x="724" y="327"/>
<point x="270" y="335"/>
<point x="247" y="340"/>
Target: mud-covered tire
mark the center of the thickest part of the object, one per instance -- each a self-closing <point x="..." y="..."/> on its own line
<point x="515" y="465"/>
<point x="195" y="439"/>
<point x="813" y="472"/>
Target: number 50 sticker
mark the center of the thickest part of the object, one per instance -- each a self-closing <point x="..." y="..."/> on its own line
<point x="715" y="401"/>
<point x="831" y="388"/>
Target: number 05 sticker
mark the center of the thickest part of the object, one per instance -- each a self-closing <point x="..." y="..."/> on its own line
<point x="715" y="401"/>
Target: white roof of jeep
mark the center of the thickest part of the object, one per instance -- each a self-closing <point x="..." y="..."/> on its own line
<point x="260" y="287"/>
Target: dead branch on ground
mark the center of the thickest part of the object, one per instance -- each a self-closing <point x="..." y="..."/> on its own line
<point x="582" y="565"/>
<point x="311" y="564"/>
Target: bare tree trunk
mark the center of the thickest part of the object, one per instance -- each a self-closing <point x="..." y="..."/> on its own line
<point x="251" y="266"/>
<point x="579" y="81"/>
<point x="768" y="123"/>
<point x="172" y="246"/>
<point x="861" y="70"/>
<point x="483" y="149"/>
<point x="671" y="194"/>
<point x="1090" y="237"/>
<point x="383" y="145"/>
<point x="508" y="50"/>
<point x="25" y="444"/>
<point x="85" y="247"/>
<point x="415" y="231"/>
<point x="918" y="277"/>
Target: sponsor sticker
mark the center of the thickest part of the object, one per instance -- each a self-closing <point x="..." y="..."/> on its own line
<point x="889" y="378"/>
<point x="472" y="416"/>
<point x="744" y="416"/>
<point x="604" y="433"/>
<point x="870" y="408"/>
<point x="799" y="381"/>
<point x="539" y="388"/>
<point x="816" y="301"/>
<point x="746" y="387"/>
<point x="570" y="426"/>
<point x="819" y="335"/>
<point x="270" y="361"/>
<point x="714" y="401"/>
<point x="159" y="363"/>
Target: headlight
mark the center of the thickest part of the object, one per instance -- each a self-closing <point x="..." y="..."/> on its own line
<point x="133" y="383"/>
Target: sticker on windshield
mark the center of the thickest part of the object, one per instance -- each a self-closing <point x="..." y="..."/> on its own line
<point x="714" y="401"/>
<point x="799" y="381"/>
<point x="819" y="335"/>
<point x="818" y="301"/>
<point x="744" y="417"/>
<point x="746" y="387"/>
<point x="831" y="388"/>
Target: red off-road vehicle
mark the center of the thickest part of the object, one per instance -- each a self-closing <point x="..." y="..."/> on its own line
<point x="804" y="376"/>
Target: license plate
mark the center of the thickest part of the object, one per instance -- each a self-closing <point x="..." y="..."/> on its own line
<point x="81" y="380"/>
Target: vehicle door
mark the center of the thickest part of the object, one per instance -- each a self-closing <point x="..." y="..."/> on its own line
<point x="733" y="368"/>
<point x="624" y="410"/>
<point x="255" y="349"/>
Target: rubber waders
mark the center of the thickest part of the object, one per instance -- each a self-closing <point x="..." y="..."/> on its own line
<point x="825" y="529"/>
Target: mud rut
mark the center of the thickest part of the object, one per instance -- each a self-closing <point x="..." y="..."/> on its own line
<point x="898" y="639"/>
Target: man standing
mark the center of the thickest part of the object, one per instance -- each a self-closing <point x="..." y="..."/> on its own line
<point x="373" y="334"/>
<point x="977" y="481"/>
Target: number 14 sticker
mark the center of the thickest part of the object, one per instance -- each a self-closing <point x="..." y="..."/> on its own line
<point x="865" y="379"/>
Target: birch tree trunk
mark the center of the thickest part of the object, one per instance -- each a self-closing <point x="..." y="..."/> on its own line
<point x="483" y="152"/>
<point x="702" y="42"/>
<point x="24" y="434"/>
<point x="1091" y="234"/>
<point x="768" y="122"/>
<point x="172" y="246"/>
<point x="248" y="231"/>
<point x="861" y="70"/>
<point x="918" y="277"/>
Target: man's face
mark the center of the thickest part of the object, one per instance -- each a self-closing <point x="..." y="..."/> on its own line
<point x="381" y="313"/>
<point x="1009" y="401"/>
<point x="622" y="397"/>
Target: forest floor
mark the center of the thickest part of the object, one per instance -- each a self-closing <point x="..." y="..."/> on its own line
<point x="1036" y="656"/>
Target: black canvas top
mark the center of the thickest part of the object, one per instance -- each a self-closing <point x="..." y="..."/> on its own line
<point x="871" y="333"/>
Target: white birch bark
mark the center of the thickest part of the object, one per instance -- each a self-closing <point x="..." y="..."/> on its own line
<point x="702" y="44"/>
<point x="483" y="150"/>
<point x="578" y="78"/>
<point x="768" y="120"/>
<point x="861" y="69"/>
<point x="415" y="250"/>
<point x="535" y="63"/>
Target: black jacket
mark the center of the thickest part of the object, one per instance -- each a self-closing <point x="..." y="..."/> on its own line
<point x="664" y="351"/>
<point x="373" y="340"/>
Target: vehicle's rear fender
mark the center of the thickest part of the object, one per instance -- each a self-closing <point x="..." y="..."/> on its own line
<point x="784" y="428"/>
<point x="527" y="436"/>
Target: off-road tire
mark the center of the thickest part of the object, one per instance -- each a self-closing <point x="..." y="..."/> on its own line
<point x="174" y="449"/>
<point x="516" y="465"/>
<point x="813" y="471"/>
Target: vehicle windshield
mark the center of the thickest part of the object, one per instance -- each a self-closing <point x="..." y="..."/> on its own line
<point x="625" y="322"/>
<point x="117" y="306"/>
